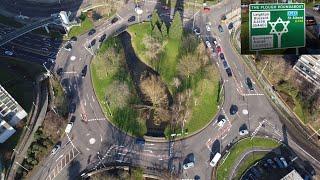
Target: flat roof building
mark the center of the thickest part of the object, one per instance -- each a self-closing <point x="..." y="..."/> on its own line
<point x="293" y="175"/>
<point x="11" y="113"/>
<point x="309" y="67"/>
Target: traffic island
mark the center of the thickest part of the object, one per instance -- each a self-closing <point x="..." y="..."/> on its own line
<point x="238" y="151"/>
<point x="170" y="84"/>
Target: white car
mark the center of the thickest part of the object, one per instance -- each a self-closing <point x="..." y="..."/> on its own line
<point x="208" y="28"/>
<point x="9" y="53"/>
<point x="188" y="165"/>
<point x="208" y="44"/>
<point x="55" y="149"/>
<point x="243" y="132"/>
<point x="222" y="122"/>
<point x="316" y="7"/>
<point x="284" y="162"/>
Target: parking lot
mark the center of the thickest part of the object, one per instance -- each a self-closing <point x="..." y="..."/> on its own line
<point x="277" y="164"/>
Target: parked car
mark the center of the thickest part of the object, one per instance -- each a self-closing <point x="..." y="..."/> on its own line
<point x="9" y="53"/>
<point x="220" y="28"/>
<point x="225" y="64"/>
<point x="278" y="162"/>
<point x="256" y="172"/>
<point x="92" y="43"/>
<point x="221" y="56"/>
<point x="284" y="162"/>
<point x="208" y="28"/>
<point x="222" y="122"/>
<point x="72" y="107"/>
<point x="243" y="132"/>
<point x="271" y="163"/>
<point x="68" y="47"/>
<point x="73" y="119"/>
<point x="59" y="71"/>
<point x="91" y="32"/>
<point x="84" y="71"/>
<point x="69" y="127"/>
<point x="208" y="44"/>
<point x="55" y="149"/>
<point x="114" y="20"/>
<point x="230" y="26"/>
<point x="188" y="165"/>
<point x="218" y="49"/>
<point x="229" y="72"/>
<point x="249" y="83"/>
<point x="132" y="19"/>
<point x="102" y="38"/>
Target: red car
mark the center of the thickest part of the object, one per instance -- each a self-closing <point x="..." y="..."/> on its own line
<point x="218" y="49"/>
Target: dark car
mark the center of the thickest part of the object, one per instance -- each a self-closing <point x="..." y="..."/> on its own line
<point x="92" y="43"/>
<point x="229" y="72"/>
<point x="68" y="47"/>
<point x="221" y="56"/>
<point x="223" y="17"/>
<point x="92" y="31"/>
<point x="73" y="119"/>
<point x="220" y="28"/>
<point x="233" y="109"/>
<point x="249" y="83"/>
<point x="310" y="21"/>
<point x="72" y="107"/>
<point x="225" y="64"/>
<point x="140" y="141"/>
<point x="84" y="71"/>
<point x="149" y="16"/>
<point x="102" y="38"/>
<point x="114" y="20"/>
<point x="132" y="19"/>
<point x="59" y="71"/>
<point x="73" y="39"/>
<point x="230" y="26"/>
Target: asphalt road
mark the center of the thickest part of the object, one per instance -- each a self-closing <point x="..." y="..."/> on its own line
<point x="97" y="143"/>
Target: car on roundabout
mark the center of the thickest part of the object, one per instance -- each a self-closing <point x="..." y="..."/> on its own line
<point x="222" y="122"/>
<point x="243" y="132"/>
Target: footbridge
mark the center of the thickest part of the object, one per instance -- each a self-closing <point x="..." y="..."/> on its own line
<point x="58" y="19"/>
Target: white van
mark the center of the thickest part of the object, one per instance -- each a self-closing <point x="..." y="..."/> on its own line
<point x="215" y="159"/>
<point x="69" y="127"/>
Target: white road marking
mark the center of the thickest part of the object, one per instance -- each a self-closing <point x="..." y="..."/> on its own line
<point x="70" y="72"/>
<point x="59" y="157"/>
<point x="92" y="98"/>
<point x="147" y="150"/>
<point x="92" y="140"/>
<point x="100" y="137"/>
<point x="85" y="102"/>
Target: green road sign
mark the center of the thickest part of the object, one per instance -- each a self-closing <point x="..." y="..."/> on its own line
<point x="276" y="26"/>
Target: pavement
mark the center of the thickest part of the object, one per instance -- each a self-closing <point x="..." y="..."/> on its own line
<point x="95" y="143"/>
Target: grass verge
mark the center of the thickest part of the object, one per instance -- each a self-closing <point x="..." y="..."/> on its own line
<point x="248" y="162"/>
<point x="238" y="149"/>
<point x="86" y="25"/>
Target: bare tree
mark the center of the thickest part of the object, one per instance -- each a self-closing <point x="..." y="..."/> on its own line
<point x="188" y="65"/>
<point x="117" y="94"/>
<point x="155" y="91"/>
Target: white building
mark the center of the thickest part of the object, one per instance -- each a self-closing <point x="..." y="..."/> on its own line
<point x="10" y="114"/>
<point x="293" y="175"/>
<point x="309" y="67"/>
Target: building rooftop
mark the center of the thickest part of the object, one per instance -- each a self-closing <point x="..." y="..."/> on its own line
<point x="293" y="175"/>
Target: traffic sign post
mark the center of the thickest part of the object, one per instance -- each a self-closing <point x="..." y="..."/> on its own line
<point x="276" y="26"/>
